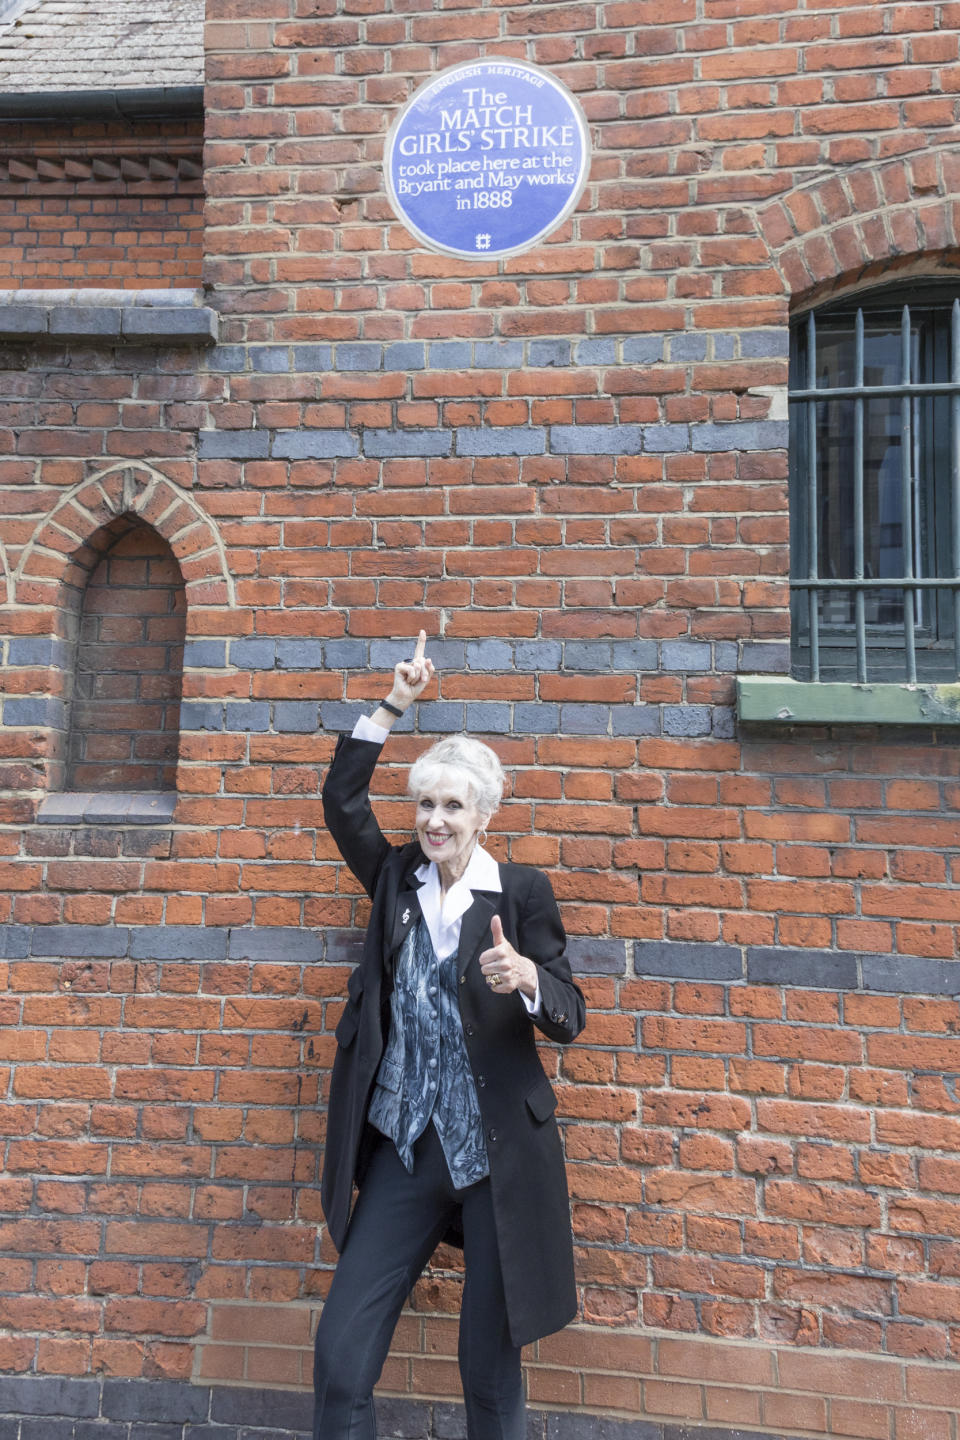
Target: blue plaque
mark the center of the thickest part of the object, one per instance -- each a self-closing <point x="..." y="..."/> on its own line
<point x="487" y="158"/>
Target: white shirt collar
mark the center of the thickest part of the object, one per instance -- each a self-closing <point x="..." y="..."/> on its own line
<point x="441" y="911"/>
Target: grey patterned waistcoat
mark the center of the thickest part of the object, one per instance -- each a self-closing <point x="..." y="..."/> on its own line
<point x="425" y="1073"/>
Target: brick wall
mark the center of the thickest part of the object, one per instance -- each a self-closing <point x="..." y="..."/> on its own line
<point x="100" y="203"/>
<point x="571" y="469"/>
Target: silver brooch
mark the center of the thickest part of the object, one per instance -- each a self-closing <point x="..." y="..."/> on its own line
<point x="404" y="917"/>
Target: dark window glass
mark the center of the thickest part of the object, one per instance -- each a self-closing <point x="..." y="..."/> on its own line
<point x="872" y="490"/>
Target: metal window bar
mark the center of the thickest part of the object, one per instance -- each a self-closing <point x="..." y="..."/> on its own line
<point x="955" y="469"/>
<point x="858" y="561"/>
<point x="911" y="583"/>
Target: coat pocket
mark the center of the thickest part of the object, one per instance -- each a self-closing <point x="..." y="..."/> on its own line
<point x="347" y="1026"/>
<point x="541" y="1101"/>
<point x="390" y="1075"/>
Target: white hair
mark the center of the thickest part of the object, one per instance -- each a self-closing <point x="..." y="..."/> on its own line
<point x="477" y="763"/>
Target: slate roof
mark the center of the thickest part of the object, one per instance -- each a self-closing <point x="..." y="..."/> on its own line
<point x="54" y="45"/>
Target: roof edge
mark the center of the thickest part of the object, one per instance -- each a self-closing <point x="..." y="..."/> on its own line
<point x="118" y="103"/>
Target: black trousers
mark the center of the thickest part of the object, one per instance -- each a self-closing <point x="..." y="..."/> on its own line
<point x="398" y="1221"/>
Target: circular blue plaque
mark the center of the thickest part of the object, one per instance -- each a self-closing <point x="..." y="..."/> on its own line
<point x="487" y="158"/>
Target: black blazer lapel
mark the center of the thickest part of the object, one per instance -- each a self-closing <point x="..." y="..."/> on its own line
<point x="406" y="913"/>
<point x="475" y="930"/>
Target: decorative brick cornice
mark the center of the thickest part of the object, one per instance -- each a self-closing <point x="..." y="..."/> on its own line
<point x="89" y="166"/>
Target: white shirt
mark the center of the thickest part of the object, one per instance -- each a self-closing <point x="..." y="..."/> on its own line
<point x="444" y="914"/>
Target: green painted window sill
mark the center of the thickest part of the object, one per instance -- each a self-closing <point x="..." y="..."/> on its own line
<point x="763" y="699"/>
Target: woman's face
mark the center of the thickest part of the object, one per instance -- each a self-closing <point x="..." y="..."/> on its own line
<point x="448" y="823"/>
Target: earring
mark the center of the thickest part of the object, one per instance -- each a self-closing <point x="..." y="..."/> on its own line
<point x="482" y="837"/>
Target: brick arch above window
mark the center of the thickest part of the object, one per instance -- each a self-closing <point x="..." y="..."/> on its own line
<point x="133" y="489"/>
<point x="864" y="221"/>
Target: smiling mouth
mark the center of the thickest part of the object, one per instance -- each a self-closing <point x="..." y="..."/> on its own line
<point x="438" y="839"/>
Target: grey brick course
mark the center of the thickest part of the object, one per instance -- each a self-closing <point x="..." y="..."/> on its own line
<point x="252" y="715"/>
<point x="15" y="942"/>
<point x="177" y="942"/>
<point x="596" y="352"/>
<point x="358" y="356"/>
<point x="49" y="1395"/>
<point x="234" y="444"/>
<point x="666" y="439"/>
<point x="725" y="656"/>
<point x="585" y="719"/>
<point x="299" y="717"/>
<point x="545" y="353"/>
<point x="253" y="653"/>
<point x="89" y="942"/>
<point x="643" y="350"/>
<point x="587" y="655"/>
<point x="538" y="655"/>
<point x="910" y="974"/>
<point x="279" y="944"/>
<point x="530" y="718"/>
<point x="687" y="961"/>
<point x="229" y="359"/>
<point x="201" y="715"/>
<point x="315" y="445"/>
<point x="38" y="650"/>
<point x="777" y="965"/>
<point x="498" y="354"/>
<point x="337" y="654"/>
<point x="301" y="654"/>
<point x="384" y="443"/>
<point x="765" y="344"/>
<point x="741" y="435"/>
<point x="437" y="715"/>
<point x="490" y="717"/>
<point x="635" y="720"/>
<point x="310" y="358"/>
<point x="341" y="716"/>
<point x="684" y="655"/>
<point x="592" y="956"/>
<point x="690" y="720"/>
<point x="687" y="347"/>
<point x="34" y="710"/>
<point x="758" y="658"/>
<point x="489" y="655"/>
<point x="205" y="654"/>
<point x="451" y="355"/>
<point x="270" y="359"/>
<point x="502" y="440"/>
<point x="634" y="654"/>
<point x="724" y="722"/>
<point x="596" y="439"/>
<point x="135" y="1399"/>
<point x="405" y="355"/>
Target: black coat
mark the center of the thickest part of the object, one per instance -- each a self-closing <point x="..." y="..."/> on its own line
<point x="517" y="1102"/>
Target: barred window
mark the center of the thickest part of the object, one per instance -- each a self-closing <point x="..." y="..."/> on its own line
<point x="875" y="487"/>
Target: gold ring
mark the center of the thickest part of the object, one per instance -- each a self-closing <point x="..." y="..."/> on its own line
<point x="494" y="980"/>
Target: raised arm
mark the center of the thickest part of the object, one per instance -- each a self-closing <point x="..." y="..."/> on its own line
<point x="346" y="791"/>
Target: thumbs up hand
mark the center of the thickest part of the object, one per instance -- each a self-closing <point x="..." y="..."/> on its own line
<point x="503" y="968"/>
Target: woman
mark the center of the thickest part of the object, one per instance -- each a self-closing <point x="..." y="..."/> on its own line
<point x="439" y="1108"/>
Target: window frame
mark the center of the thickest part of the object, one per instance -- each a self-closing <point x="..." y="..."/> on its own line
<point x="923" y="488"/>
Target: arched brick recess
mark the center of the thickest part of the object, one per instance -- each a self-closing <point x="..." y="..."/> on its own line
<point x="127" y="679"/>
<point x="55" y="549"/>
<point x="866" y="221"/>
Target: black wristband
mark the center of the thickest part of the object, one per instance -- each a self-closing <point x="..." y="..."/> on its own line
<point x="391" y="709"/>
